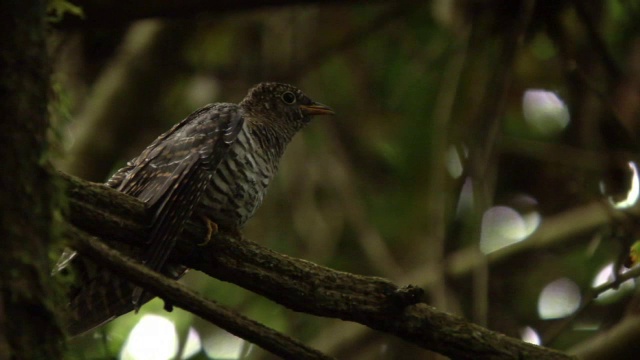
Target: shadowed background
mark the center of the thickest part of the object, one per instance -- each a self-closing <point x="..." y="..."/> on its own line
<point x="462" y="127"/>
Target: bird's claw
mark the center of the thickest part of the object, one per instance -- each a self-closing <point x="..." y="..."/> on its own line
<point x="212" y="229"/>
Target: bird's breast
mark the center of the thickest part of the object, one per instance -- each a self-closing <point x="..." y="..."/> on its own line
<point x="239" y="183"/>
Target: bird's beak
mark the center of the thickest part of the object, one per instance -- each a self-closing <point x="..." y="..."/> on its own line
<point x="316" y="109"/>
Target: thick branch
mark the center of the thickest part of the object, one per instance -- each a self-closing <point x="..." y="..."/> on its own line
<point x="301" y="285"/>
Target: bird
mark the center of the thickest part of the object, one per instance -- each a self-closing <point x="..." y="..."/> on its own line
<point x="214" y="165"/>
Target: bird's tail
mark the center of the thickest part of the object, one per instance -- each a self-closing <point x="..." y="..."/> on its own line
<point x="97" y="295"/>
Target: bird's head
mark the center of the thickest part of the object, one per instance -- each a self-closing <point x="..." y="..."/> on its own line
<point x="282" y="105"/>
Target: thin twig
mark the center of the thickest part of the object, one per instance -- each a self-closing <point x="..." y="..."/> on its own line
<point x="587" y="300"/>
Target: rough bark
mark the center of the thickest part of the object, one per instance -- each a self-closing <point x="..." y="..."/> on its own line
<point x="301" y="285"/>
<point x="28" y="328"/>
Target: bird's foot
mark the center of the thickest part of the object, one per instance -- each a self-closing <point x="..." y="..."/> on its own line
<point x="212" y="229"/>
<point x="168" y="306"/>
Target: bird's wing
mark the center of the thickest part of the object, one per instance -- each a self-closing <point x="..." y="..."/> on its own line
<point x="173" y="172"/>
<point x="165" y="175"/>
<point x="68" y="255"/>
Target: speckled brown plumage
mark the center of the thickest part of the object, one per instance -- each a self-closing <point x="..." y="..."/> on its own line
<point x="217" y="163"/>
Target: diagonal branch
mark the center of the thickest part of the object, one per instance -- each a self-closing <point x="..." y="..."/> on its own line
<point x="178" y="295"/>
<point x="301" y="285"/>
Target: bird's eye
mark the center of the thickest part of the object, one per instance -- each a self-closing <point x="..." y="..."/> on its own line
<point x="288" y="98"/>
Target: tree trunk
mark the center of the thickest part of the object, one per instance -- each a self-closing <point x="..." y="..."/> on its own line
<point x="28" y="328"/>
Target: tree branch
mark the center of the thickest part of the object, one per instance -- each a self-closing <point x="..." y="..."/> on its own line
<point x="179" y="295"/>
<point x="298" y="284"/>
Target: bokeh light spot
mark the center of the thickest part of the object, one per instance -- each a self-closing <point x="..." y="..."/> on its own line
<point x="223" y="345"/>
<point x="528" y="334"/>
<point x="559" y="299"/>
<point x="154" y="338"/>
<point x="545" y="112"/>
<point x="454" y="163"/>
<point x="465" y="200"/>
<point x="604" y="276"/>
<point x="503" y="226"/>
<point x="193" y="345"/>
<point x="634" y="191"/>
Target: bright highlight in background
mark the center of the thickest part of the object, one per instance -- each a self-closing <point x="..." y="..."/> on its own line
<point x="153" y="338"/>
<point x="544" y="111"/>
<point x="503" y="226"/>
<point x="634" y="191"/>
<point x="559" y="299"/>
<point x="193" y="345"/>
<point x="454" y="161"/>
<point x="604" y="276"/>
<point x="223" y="345"/>
<point x="528" y="334"/>
<point x="465" y="200"/>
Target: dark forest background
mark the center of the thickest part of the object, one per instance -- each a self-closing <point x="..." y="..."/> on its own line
<point x="482" y="150"/>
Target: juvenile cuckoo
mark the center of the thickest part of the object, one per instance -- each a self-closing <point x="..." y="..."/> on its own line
<point x="216" y="165"/>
